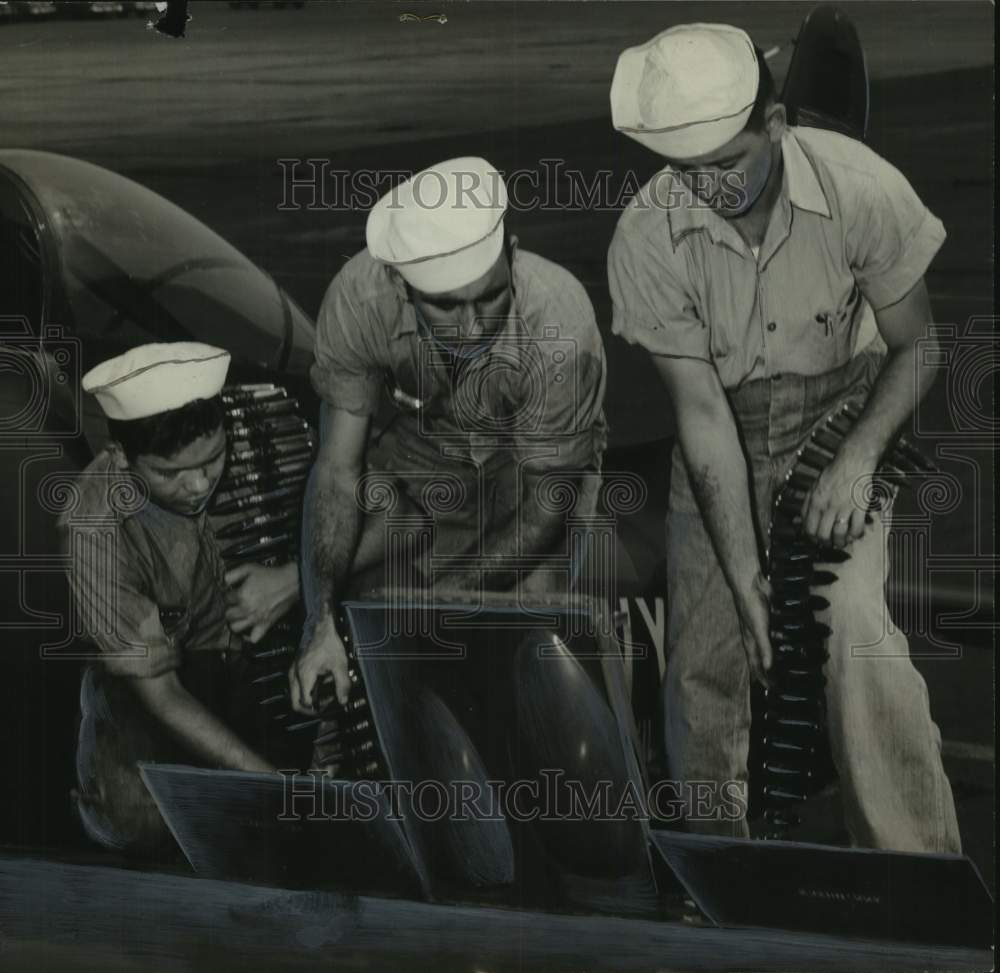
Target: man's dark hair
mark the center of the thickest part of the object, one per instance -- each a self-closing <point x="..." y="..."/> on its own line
<point x="167" y="433"/>
<point x="765" y="93"/>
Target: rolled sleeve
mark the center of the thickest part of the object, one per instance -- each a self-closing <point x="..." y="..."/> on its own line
<point x="115" y="613"/>
<point x="572" y="371"/>
<point x="651" y="306"/>
<point x="893" y="239"/>
<point x="344" y="372"/>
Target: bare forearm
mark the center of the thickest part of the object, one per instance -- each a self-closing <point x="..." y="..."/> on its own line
<point x="535" y="533"/>
<point x="516" y="547"/>
<point x="719" y="481"/>
<point x="195" y="727"/>
<point x="333" y="527"/>
<point x="287" y="584"/>
<point x="900" y="385"/>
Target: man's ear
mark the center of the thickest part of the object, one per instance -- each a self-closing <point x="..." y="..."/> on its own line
<point x="775" y="121"/>
<point x="510" y="247"/>
<point x="118" y="456"/>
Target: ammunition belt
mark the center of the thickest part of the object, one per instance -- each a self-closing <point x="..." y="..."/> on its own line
<point x="256" y="517"/>
<point x="790" y="756"/>
<point x="347" y="743"/>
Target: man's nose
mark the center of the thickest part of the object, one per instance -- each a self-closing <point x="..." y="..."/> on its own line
<point x="470" y="321"/>
<point x="198" y="481"/>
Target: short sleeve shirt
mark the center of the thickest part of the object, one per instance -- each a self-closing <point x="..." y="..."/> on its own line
<point x="848" y="236"/>
<point x="147" y="584"/>
<point x="538" y="385"/>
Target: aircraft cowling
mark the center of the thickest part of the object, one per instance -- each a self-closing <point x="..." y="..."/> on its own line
<point x="121" y="266"/>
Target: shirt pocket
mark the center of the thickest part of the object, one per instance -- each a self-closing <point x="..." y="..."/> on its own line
<point x="175" y="620"/>
<point x="840" y="320"/>
<point x="405" y="399"/>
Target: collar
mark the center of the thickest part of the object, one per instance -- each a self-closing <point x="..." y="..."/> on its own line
<point x="800" y="187"/>
<point x="118" y="492"/>
<point x="803" y="186"/>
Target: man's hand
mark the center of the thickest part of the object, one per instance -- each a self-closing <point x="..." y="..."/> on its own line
<point x="754" y="608"/>
<point x="321" y="658"/>
<point x="259" y="596"/>
<point x="195" y="726"/>
<point x="831" y="515"/>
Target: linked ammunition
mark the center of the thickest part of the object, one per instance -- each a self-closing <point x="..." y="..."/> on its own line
<point x="269" y="428"/>
<point x="255" y="545"/>
<point x="261" y="408"/>
<point x="257" y="500"/>
<point x="283" y="516"/>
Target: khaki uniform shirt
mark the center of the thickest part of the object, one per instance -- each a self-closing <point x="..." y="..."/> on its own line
<point x="148" y="584"/>
<point x="848" y="236"/>
<point x="537" y="388"/>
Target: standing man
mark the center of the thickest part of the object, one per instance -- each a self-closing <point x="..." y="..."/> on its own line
<point x="151" y="591"/>
<point x="495" y="372"/>
<point x="747" y="268"/>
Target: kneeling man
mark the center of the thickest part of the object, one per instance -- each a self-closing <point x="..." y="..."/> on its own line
<point x="150" y="589"/>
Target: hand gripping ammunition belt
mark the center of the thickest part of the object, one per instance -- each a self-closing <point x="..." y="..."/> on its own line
<point x="255" y="514"/>
<point x="347" y="743"/>
<point x="790" y="756"/>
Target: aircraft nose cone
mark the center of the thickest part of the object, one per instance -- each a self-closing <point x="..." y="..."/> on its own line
<point x="565" y="724"/>
<point x="467" y="843"/>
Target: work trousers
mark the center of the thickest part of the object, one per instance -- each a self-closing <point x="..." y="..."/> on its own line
<point x="885" y="746"/>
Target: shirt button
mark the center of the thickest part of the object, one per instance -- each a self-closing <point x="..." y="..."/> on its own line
<point x="771" y="326"/>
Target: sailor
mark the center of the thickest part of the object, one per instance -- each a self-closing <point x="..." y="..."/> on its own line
<point x="772" y="272"/>
<point x="495" y="374"/>
<point x="151" y="591"/>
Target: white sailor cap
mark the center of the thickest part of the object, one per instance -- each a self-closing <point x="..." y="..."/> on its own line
<point x="443" y="228"/>
<point x="686" y="92"/>
<point x="156" y="378"/>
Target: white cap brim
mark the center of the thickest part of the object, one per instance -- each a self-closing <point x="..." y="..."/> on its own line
<point x="156" y="378"/>
<point x="449" y="272"/>
<point x="691" y="140"/>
